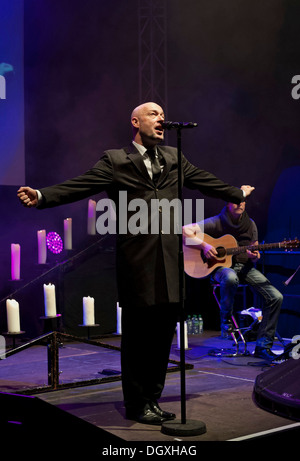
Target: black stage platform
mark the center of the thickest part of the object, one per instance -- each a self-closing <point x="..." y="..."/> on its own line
<point x="219" y="392"/>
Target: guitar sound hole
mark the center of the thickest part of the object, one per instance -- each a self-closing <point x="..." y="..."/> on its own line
<point x="221" y="252"/>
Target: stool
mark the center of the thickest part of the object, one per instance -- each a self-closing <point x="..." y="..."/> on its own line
<point x="237" y="330"/>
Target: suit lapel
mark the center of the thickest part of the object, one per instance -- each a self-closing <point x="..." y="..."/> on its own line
<point x="137" y="160"/>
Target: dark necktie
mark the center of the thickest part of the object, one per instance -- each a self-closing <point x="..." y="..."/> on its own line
<point x="155" y="165"/>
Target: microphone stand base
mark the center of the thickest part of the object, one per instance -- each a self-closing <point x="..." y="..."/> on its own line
<point x="188" y="429"/>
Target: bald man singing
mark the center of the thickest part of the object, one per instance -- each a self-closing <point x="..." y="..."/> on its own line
<point x="147" y="263"/>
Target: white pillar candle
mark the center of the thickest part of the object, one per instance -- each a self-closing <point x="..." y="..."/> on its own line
<point x="185" y="336"/>
<point x="91" y="224"/>
<point x="50" y="300"/>
<point x="42" y="247"/>
<point x="2" y="347"/>
<point x="15" y="261"/>
<point x="13" y="316"/>
<point x="88" y="311"/>
<point x="119" y="319"/>
<point x="68" y="234"/>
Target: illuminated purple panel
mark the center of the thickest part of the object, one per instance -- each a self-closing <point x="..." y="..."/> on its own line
<point x="54" y="242"/>
<point x="12" y="158"/>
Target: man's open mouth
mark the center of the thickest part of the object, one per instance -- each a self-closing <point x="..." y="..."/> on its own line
<point x="159" y="129"/>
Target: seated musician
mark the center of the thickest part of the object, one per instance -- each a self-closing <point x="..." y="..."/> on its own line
<point x="235" y="221"/>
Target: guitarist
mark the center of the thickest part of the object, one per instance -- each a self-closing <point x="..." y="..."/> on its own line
<point x="233" y="219"/>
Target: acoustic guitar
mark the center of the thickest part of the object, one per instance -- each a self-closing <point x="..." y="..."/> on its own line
<point x="197" y="266"/>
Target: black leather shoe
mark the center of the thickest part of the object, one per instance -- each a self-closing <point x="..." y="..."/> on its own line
<point x="146" y="416"/>
<point x="264" y="353"/>
<point x="164" y="414"/>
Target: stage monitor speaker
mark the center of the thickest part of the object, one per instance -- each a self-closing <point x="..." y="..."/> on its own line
<point x="42" y="425"/>
<point x="278" y="391"/>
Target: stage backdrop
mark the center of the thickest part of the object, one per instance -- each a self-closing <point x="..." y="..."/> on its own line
<point x="12" y="161"/>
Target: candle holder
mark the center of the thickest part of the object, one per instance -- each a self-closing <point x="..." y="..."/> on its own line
<point x="14" y="335"/>
<point x="88" y="328"/>
<point x="68" y="252"/>
<point x="42" y="268"/>
<point x="48" y="319"/>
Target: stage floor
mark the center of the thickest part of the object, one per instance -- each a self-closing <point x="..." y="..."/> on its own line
<point x="218" y="389"/>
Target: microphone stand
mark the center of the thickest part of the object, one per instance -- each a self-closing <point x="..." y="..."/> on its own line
<point x="185" y="427"/>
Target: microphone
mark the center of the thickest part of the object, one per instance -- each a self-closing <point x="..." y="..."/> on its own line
<point x="181" y="125"/>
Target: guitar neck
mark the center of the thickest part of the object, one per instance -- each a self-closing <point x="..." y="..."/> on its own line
<point x="243" y="249"/>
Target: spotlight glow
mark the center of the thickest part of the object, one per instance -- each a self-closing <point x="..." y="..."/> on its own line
<point x="54" y="242"/>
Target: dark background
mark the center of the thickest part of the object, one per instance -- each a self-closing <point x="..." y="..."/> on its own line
<point x="229" y="68"/>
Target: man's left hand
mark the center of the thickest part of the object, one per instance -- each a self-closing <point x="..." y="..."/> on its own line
<point x="247" y="190"/>
<point x="253" y="255"/>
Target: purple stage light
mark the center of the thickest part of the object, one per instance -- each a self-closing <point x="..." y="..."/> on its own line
<point x="54" y="242"/>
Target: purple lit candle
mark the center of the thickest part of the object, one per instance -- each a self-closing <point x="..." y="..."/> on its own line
<point x="68" y="234"/>
<point x="42" y="248"/>
<point x="15" y="261"/>
<point x="91" y="224"/>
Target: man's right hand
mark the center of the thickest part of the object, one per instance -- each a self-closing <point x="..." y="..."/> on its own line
<point x="28" y="197"/>
<point x="209" y="251"/>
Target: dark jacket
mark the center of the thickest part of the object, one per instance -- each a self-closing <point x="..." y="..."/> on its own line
<point x="147" y="264"/>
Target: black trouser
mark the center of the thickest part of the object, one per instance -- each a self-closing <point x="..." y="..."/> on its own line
<point x="147" y="335"/>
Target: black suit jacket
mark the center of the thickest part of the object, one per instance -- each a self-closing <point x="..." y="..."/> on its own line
<point x="147" y="263"/>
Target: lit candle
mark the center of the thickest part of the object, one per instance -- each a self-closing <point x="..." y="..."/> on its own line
<point x="42" y="248"/>
<point x="15" y="261"/>
<point x="88" y="311"/>
<point x="91" y="224"/>
<point x="68" y="234"/>
<point x="185" y="336"/>
<point x="50" y="300"/>
<point x="2" y="347"/>
<point x="119" y="319"/>
<point x="13" y="316"/>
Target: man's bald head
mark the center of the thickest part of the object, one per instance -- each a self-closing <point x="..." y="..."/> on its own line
<point x="146" y="124"/>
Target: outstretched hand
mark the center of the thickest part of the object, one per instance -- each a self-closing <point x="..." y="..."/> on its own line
<point x="247" y="190"/>
<point x="28" y="196"/>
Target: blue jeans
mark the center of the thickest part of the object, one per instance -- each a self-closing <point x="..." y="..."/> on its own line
<point x="229" y="279"/>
